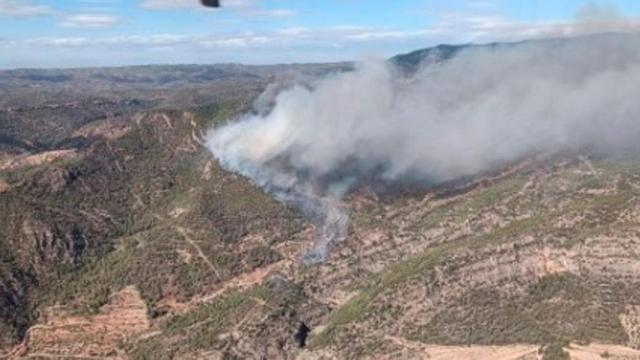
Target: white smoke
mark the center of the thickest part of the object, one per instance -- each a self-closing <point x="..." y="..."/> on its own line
<point x="483" y="108"/>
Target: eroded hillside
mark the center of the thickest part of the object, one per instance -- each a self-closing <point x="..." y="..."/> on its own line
<point x="132" y="242"/>
<point x="144" y="207"/>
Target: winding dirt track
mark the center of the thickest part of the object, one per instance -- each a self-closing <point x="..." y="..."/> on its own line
<point x="201" y="254"/>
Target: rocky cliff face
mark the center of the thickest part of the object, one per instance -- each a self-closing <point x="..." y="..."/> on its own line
<point x="491" y="263"/>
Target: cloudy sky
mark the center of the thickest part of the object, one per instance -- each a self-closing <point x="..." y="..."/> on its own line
<point x="72" y="33"/>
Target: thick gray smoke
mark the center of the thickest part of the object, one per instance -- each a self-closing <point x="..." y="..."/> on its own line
<point x="483" y="108"/>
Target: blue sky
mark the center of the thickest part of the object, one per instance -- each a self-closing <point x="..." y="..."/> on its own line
<point x="72" y="33"/>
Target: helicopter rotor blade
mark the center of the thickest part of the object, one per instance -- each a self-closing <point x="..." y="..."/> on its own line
<point x="210" y="3"/>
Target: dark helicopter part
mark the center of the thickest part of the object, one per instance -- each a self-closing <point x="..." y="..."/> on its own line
<point x="210" y="3"/>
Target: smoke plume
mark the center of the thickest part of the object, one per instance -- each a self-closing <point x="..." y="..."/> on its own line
<point x="485" y="107"/>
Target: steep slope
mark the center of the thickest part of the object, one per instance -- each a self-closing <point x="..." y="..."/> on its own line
<point x="540" y="254"/>
<point x="97" y="196"/>
<point x="144" y="206"/>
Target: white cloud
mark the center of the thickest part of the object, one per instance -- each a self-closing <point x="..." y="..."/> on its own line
<point x="389" y="34"/>
<point x="170" y="4"/>
<point x="303" y="44"/>
<point x="57" y="41"/>
<point x="90" y="20"/>
<point x="269" y="12"/>
<point x="238" y="42"/>
<point x="146" y="40"/>
<point x="292" y="31"/>
<point x="450" y="28"/>
<point x="465" y="27"/>
<point x="22" y="8"/>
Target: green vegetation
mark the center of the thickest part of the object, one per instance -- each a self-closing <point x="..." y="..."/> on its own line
<point x="349" y="313"/>
<point x="208" y="326"/>
<point x="197" y="329"/>
<point x="557" y="305"/>
<point x="627" y="166"/>
<point x="492" y="194"/>
<point x="361" y="305"/>
<point x="212" y="115"/>
<point x="592" y="182"/>
<point x="555" y="350"/>
<point x="506" y="233"/>
<point x="115" y="220"/>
